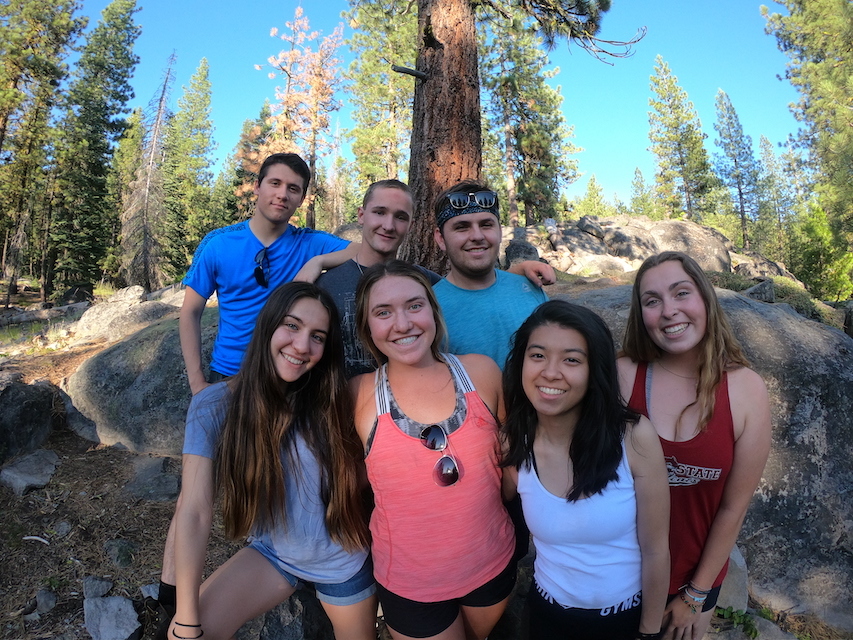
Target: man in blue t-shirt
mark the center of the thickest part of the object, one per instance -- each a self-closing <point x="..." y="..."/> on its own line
<point x="483" y="306"/>
<point x="244" y="262"/>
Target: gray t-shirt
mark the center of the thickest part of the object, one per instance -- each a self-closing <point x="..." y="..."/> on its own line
<point x="304" y="548"/>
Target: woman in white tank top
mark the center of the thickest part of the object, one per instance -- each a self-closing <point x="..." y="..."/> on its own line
<point x="592" y="481"/>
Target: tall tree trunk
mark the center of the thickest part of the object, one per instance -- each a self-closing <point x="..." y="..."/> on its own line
<point x="446" y="138"/>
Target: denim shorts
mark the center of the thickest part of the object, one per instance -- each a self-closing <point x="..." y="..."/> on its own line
<point x="360" y="587"/>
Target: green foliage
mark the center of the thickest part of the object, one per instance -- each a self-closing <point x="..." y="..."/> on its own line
<point x="816" y="36"/>
<point x="729" y="280"/>
<point x="821" y="257"/>
<point x="684" y="173"/>
<point x="524" y="118"/>
<point x="187" y="179"/>
<point x="737" y="166"/>
<point x="593" y="202"/>
<point x="93" y="121"/>
<point x="643" y="201"/>
<point x="739" y="618"/>
<point x="790" y="292"/>
<point x="385" y="34"/>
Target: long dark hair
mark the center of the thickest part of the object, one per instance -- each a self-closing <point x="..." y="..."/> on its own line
<point x="263" y="417"/>
<point x="719" y="349"/>
<point x="596" y="447"/>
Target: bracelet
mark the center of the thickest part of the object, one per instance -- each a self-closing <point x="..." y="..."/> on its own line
<point x="649" y="636"/>
<point x="180" y="624"/>
<point x="689" y="604"/>
<point x="696" y="599"/>
<point x="696" y="589"/>
<point x="200" y="634"/>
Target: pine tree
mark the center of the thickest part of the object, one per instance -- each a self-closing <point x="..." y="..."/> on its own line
<point x="593" y="202"/>
<point x="446" y="137"/>
<point x="642" y="199"/>
<point x="93" y="121"/>
<point x="821" y="257"/>
<point x="249" y="154"/>
<point x="223" y="199"/>
<point x="143" y="212"/>
<point x="816" y="36"/>
<point x="737" y="166"/>
<point x="684" y="173"/>
<point x="385" y="35"/>
<point x="307" y="96"/>
<point x="775" y="204"/>
<point x="187" y="178"/>
<point x="524" y="112"/>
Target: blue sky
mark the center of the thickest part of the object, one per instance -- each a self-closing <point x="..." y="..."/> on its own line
<point x="709" y="45"/>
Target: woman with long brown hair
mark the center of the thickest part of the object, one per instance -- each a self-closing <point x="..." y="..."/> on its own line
<point x="442" y="540"/>
<point x="277" y="443"/>
<point x="684" y="369"/>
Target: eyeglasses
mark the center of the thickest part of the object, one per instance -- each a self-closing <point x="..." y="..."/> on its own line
<point x="446" y="472"/>
<point x="485" y="199"/>
<point x="262" y="267"/>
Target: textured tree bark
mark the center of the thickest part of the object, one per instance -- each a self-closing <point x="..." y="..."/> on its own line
<point x="446" y="139"/>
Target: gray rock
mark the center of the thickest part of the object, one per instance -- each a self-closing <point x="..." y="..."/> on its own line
<point x="734" y="592"/>
<point x="111" y="618"/>
<point x="114" y="320"/>
<point x="32" y="471"/>
<point x="120" y="552"/>
<point x="45" y="600"/>
<point x="708" y="247"/>
<point x="173" y="295"/>
<point x="150" y="591"/>
<point x="519" y="251"/>
<point x="136" y="391"/>
<point x="350" y="231"/>
<point x="763" y="292"/>
<point x="94" y="587"/>
<point x="26" y="416"/>
<point x="630" y="242"/>
<point x="798" y="534"/>
<point x="590" y="225"/>
<point x="76" y="421"/>
<point x="152" y="482"/>
<point x="134" y="293"/>
<point x="300" y="616"/>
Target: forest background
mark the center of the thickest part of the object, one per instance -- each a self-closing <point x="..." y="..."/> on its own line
<point x="93" y="190"/>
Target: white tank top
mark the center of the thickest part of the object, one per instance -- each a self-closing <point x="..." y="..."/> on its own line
<point x="587" y="552"/>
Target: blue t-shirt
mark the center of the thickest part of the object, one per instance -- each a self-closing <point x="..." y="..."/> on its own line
<point x="484" y="320"/>
<point x="304" y="549"/>
<point x="224" y="263"/>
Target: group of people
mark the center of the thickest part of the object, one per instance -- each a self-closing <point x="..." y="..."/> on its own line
<point x="367" y="434"/>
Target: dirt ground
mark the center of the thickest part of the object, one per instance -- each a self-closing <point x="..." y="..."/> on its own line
<point x="52" y="538"/>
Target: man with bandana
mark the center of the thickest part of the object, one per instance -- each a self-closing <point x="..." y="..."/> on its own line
<point x="483" y="306"/>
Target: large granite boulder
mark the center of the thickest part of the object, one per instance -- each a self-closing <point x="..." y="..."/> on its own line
<point x="798" y="534"/>
<point x="26" y="415"/>
<point x="136" y="391"/>
<point x="125" y="312"/>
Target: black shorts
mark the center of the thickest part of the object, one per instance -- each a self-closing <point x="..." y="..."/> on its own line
<point x="710" y="601"/>
<point x="426" y="619"/>
<point x="552" y="621"/>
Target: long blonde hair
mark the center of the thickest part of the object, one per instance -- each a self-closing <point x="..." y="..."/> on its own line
<point x="719" y="348"/>
<point x="264" y="415"/>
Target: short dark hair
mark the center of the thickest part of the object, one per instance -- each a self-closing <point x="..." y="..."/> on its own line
<point x="292" y="160"/>
<point x="466" y="186"/>
<point x="596" y="447"/>
<point x="391" y="183"/>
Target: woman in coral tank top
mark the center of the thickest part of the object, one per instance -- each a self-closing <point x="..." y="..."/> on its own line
<point x="684" y="369"/>
<point x="442" y="541"/>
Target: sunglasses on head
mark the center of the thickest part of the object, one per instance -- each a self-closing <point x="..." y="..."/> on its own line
<point x="485" y="199"/>
<point x="262" y="267"/>
<point x="446" y="472"/>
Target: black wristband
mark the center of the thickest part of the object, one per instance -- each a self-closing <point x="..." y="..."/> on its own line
<point x="649" y="636"/>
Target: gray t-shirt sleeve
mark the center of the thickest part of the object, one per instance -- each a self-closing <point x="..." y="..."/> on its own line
<point x="205" y="418"/>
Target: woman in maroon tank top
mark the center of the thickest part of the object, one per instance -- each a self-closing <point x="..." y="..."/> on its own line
<point x="684" y="369"/>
